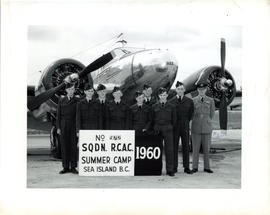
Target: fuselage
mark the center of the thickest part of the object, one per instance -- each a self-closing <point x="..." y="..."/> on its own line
<point x="131" y="70"/>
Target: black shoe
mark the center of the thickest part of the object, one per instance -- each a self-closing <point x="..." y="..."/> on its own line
<point x="208" y="170"/>
<point x="74" y="171"/>
<point x="188" y="171"/>
<point x="170" y="174"/>
<point x="63" y="171"/>
<point x="194" y="170"/>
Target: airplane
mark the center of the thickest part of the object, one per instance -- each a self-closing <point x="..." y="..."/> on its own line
<point x="129" y="69"/>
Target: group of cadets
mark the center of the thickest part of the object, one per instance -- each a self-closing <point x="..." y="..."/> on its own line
<point x="168" y="118"/>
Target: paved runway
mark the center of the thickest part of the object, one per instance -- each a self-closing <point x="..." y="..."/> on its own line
<point x="42" y="169"/>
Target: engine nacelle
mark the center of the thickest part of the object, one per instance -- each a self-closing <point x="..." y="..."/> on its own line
<point x="216" y="84"/>
<point x="54" y="75"/>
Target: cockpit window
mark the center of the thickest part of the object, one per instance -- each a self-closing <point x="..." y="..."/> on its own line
<point x="120" y="52"/>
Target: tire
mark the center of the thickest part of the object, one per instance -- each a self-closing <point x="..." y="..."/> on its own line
<point x="55" y="143"/>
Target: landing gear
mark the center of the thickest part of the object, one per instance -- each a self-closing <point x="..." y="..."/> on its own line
<point x="55" y="143"/>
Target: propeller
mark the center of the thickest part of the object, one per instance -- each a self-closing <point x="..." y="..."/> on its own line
<point x="223" y="113"/>
<point x="39" y="99"/>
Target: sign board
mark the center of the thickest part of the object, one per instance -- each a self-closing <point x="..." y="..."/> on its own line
<point x="148" y="154"/>
<point x="119" y="153"/>
<point x="106" y="152"/>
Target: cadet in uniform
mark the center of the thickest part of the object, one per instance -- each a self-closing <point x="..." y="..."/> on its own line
<point x="140" y="115"/>
<point x="117" y="112"/>
<point x="87" y="111"/>
<point x="102" y="105"/>
<point x="66" y="128"/>
<point x="184" y="109"/>
<point x="164" y="118"/>
<point x="148" y="98"/>
<point x="201" y="127"/>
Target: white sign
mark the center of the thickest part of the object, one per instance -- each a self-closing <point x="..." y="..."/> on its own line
<point x="106" y="152"/>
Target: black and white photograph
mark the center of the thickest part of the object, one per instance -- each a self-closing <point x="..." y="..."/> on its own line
<point x="178" y="89"/>
<point x="134" y="107"/>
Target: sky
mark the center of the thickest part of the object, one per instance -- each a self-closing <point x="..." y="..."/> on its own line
<point x="193" y="46"/>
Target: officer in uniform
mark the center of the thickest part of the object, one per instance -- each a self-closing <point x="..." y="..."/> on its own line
<point x="184" y="110"/>
<point x="140" y="115"/>
<point x="118" y="111"/>
<point x="201" y="127"/>
<point x="102" y="105"/>
<point x="149" y="99"/>
<point x="164" y="118"/>
<point x="66" y="128"/>
<point x="87" y="111"/>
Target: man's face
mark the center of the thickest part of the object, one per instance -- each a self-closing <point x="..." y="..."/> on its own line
<point x="89" y="93"/>
<point x="101" y="93"/>
<point x="163" y="96"/>
<point x="117" y="95"/>
<point x="70" y="91"/>
<point x="148" y="92"/>
<point x="202" y="91"/>
<point x="140" y="99"/>
<point x="180" y="90"/>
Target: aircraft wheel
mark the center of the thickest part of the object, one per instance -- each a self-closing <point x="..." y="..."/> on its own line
<point x="55" y="143"/>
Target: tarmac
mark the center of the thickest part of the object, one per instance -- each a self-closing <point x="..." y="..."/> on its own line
<point x="225" y="160"/>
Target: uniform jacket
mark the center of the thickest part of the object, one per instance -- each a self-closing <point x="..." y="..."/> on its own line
<point x="117" y="116"/>
<point x="87" y="115"/>
<point x="140" y="118"/>
<point x="66" y="121"/>
<point x="203" y="115"/>
<point x="151" y="102"/>
<point x="164" y="118"/>
<point x="184" y="110"/>
<point x="102" y="114"/>
<point x="66" y="112"/>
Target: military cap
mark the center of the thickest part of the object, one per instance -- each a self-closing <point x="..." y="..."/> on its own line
<point x="115" y="89"/>
<point x="146" y="86"/>
<point x="69" y="85"/>
<point x="178" y="83"/>
<point x="101" y="87"/>
<point x="161" y="90"/>
<point x="201" y="85"/>
<point x="87" y="87"/>
<point x="138" y="93"/>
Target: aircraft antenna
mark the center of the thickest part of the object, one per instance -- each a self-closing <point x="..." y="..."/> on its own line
<point x="91" y="47"/>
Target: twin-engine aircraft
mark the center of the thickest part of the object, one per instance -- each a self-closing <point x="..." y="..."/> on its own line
<point x="129" y="69"/>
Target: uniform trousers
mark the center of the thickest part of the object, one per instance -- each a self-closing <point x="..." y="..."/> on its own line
<point x="167" y="135"/>
<point x="69" y="146"/>
<point x="197" y="141"/>
<point x="184" y="135"/>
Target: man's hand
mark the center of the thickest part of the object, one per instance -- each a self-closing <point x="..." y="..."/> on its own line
<point x="144" y="130"/>
<point x="71" y="78"/>
<point x="77" y="134"/>
<point x="58" y="131"/>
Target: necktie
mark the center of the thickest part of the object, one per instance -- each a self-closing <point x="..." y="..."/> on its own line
<point x="179" y="99"/>
<point x="162" y="104"/>
<point x="202" y="99"/>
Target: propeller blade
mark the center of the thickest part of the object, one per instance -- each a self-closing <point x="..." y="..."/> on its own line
<point x="103" y="60"/>
<point x="223" y="112"/>
<point x="39" y="99"/>
<point x="222" y="56"/>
